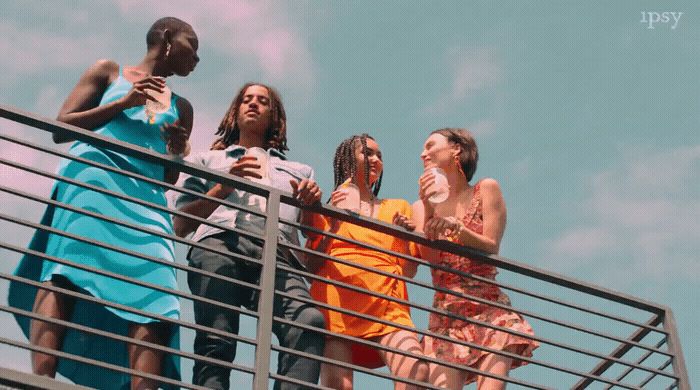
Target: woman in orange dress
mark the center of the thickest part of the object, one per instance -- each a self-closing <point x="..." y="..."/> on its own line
<point x="359" y="159"/>
<point x="473" y="216"/>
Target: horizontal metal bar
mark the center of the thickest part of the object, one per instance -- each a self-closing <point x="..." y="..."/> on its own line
<point x="97" y="363"/>
<point x="414" y="382"/>
<point x="459" y="342"/>
<point x="128" y="198"/>
<point x="304" y="385"/>
<point x="90" y="298"/>
<point x="133" y="175"/>
<point x="127" y="279"/>
<point x="125" y="339"/>
<point x="75" y="132"/>
<point x="129" y="149"/>
<point x="463" y="274"/>
<point x="123" y="223"/>
<point x="639" y="361"/>
<point x="469" y="297"/>
<point x="12" y="379"/>
<point x="139" y="255"/>
<point x="652" y="376"/>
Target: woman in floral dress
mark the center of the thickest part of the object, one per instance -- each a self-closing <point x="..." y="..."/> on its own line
<point x="473" y="216"/>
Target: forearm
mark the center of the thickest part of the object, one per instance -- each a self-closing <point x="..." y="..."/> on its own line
<point x="202" y="208"/>
<point x="171" y="175"/>
<point x="90" y="119"/>
<point x="469" y="238"/>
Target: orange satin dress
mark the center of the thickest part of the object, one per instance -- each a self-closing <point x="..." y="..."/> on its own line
<point x="357" y="301"/>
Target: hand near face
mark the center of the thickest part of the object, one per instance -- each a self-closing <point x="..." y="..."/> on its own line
<point x="425" y="186"/>
<point x="403" y="221"/>
<point x="441" y="227"/>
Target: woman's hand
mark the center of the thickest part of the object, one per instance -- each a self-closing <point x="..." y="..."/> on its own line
<point x="137" y="95"/>
<point x="176" y="137"/>
<point x="403" y="221"/>
<point x="442" y="227"/>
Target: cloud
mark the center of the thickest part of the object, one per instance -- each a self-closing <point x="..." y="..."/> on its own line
<point x="639" y="220"/>
<point x="474" y="72"/>
<point x="257" y="31"/>
<point x="27" y="50"/>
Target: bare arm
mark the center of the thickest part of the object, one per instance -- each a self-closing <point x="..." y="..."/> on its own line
<point x="494" y="211"/>
<point x="178" y="135"/>
<point x="81" y="108"/>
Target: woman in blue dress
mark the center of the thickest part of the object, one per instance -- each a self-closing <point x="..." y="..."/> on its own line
<point x="111" y="101"/>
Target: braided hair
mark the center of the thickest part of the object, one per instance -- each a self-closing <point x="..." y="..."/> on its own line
<point x="276" y="134"/>
<point x="345" y="165"/>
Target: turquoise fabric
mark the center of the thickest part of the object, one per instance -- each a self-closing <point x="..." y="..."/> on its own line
<point x="131" y="126"/>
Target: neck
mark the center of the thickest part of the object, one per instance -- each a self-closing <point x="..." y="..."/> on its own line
<point x="458" y="183"/>
<point x="250" y="138"/>
<point x="150" y="65"/>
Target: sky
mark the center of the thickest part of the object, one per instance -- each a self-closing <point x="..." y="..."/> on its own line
<point x="586" y="114"/>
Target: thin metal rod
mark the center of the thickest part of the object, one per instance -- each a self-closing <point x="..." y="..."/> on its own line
<point x="454" y="341"/>
<point x="90" y="298"/>
<point x="97" y="363"/>
<point x="115" y="221"/>
<point x="304" y="385"/>
<point x="639" y="361"/>
<point x="128" y="198"/>
<point x="133" y="175"/>
<point x="400" y="379"/>
<point x="456" y="294"/>
<point x="139" y="255"/>
<point x="267" y="295"/>
<point x="124" y="339"/>
<point x="620" y="351"/>
<point x="652" y="376"/>
<point x="127" y="279"/>
<point x="436" y="245"/>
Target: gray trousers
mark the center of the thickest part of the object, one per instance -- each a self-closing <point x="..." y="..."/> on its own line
<point x="221" y="348"/>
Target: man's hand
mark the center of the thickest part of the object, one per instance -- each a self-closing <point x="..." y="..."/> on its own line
<point x="306" y="191"/>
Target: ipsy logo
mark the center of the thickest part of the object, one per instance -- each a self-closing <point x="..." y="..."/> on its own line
<point x="652" y="18"/>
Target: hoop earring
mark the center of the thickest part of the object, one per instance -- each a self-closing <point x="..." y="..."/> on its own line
<point x="459" y="166"/>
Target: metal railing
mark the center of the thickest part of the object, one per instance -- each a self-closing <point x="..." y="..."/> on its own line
<point x="614" y="341"/>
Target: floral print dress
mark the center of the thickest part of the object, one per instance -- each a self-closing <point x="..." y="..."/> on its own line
<point x="466" y="331"/>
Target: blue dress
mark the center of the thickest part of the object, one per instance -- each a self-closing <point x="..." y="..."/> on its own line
<point x="134" y="127"/>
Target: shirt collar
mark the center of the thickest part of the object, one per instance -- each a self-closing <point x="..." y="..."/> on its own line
<point x="236" y="150"/>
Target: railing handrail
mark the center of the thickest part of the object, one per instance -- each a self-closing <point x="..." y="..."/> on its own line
<point x="276" y="197"/>
<point x="90" y="137"/>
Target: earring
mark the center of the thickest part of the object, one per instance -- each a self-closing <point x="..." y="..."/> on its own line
<point x="167" y="50"/>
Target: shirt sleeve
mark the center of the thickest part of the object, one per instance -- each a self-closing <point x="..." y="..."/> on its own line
<point x="314" y="240"/>
<point x="194" y="183"/>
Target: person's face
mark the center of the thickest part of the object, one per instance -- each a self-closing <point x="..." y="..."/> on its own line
<point x="374" y="156"/>
<point x="183" y="52"/>
<point x="438" y="152"/>
<point x="254" y="111"/>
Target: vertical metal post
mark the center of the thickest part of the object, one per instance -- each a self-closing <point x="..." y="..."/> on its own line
<point x="267" y="293"/>
<point x="674" y="346"/>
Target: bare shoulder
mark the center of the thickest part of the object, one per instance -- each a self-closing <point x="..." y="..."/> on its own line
<point x="104" y="69"/>
<point x="489" y="186"/>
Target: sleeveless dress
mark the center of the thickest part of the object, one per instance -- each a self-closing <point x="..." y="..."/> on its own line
<point x="465" y="331"/>
<point x="134" y="127"/>
<point x="356" y="301"/>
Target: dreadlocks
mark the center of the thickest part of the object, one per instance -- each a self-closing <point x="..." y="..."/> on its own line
<point x="276" y="134"/>
<point x="345" y="165"/>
